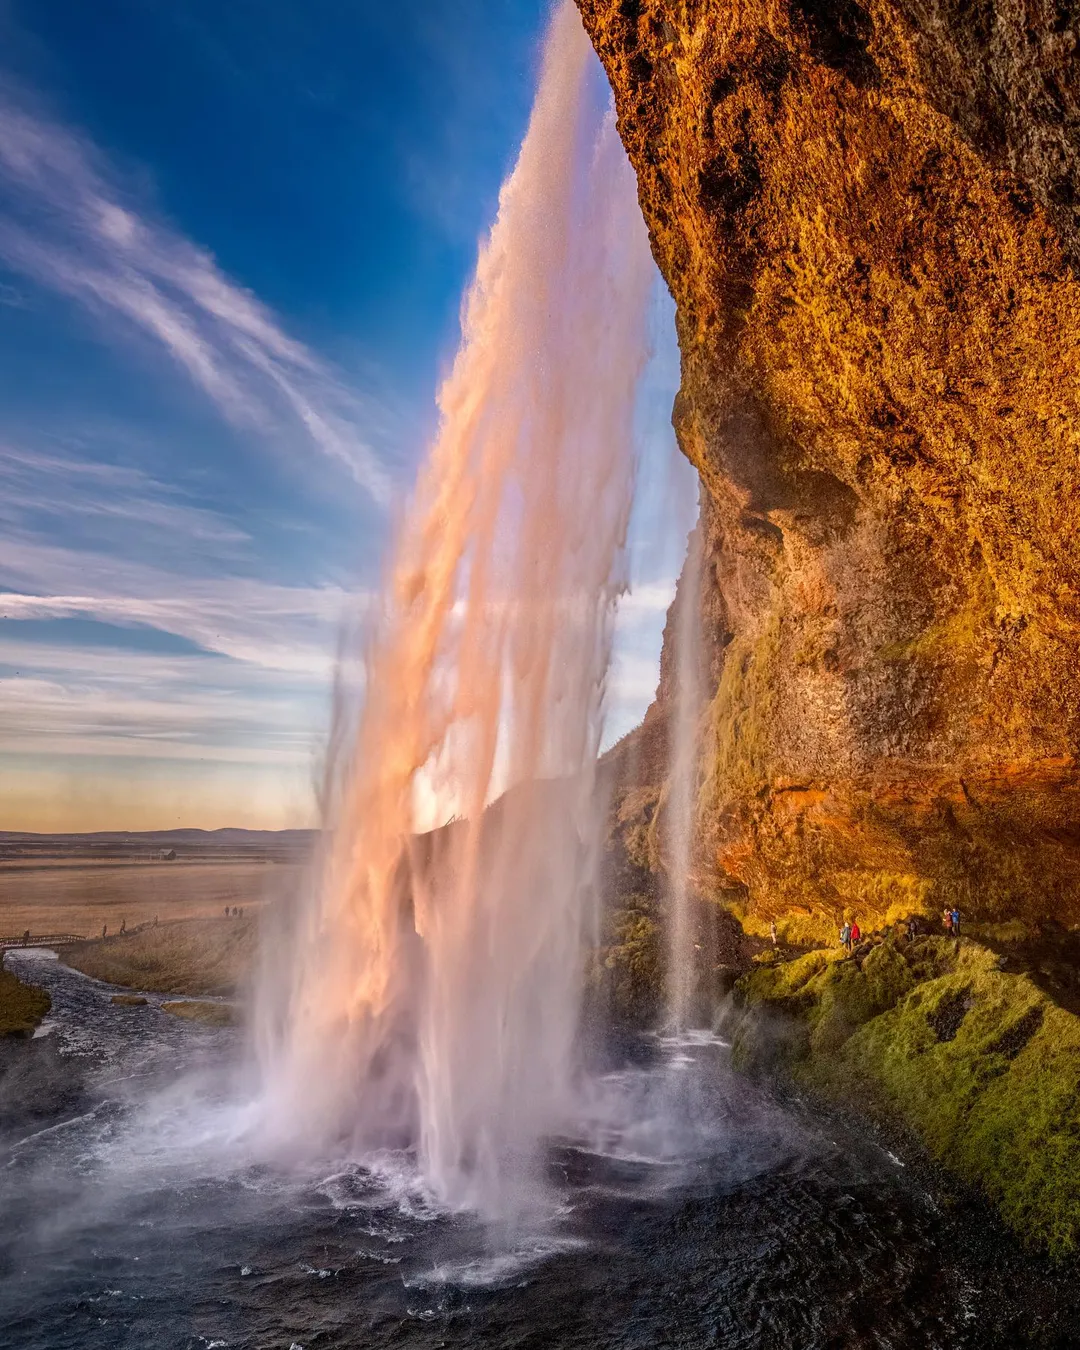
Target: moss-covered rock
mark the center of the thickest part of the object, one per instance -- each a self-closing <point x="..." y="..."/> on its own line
<point x="980" y="1064"/>
<point x="848" y="994"/>
<point x="988" y="1071"/>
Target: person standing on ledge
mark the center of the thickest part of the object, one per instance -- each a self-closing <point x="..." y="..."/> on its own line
<point x="845" y="935"/>
<point x="954" y="918"/>
<point x="772" y="930"/>
<point x="856" y="934"/>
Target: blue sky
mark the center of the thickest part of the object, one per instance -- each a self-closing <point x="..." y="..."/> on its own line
<point x="233" y="240"/>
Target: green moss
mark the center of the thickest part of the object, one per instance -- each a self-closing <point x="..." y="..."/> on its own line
<point x="1001" y="1110"/>
<point x="629" y="966"/>
<point x="22" y="1006"/>
<point x="740" y="717"/>
<point x="847" y="996"/>
<point x="980" y="1064"/>
<point x="1012" y="930"/>
<point x="781" y="982"/>
<point x="886" y="897"/>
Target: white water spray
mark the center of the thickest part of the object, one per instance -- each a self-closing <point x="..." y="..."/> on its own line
<point x="682" y="966"/>
<point x="435" y="981"/>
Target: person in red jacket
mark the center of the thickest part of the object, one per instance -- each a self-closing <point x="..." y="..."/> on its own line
<point x="855" y="933"/>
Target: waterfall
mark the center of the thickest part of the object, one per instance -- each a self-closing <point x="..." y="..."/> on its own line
<point x="680" y="807"/>
<point x="430" y="989"/>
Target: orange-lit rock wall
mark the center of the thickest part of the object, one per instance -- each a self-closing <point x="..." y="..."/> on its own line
<point x="868" y="219"/>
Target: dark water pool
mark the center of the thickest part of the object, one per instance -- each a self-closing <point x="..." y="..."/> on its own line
<point x="689" y="1209"/>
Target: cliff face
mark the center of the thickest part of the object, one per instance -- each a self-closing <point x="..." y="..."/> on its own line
<point x="868" y="215"/>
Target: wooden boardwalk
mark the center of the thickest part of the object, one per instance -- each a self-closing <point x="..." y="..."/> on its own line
<point x="39" y="940"/>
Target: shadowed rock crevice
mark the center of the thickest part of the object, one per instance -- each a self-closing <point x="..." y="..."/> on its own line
<point x="946" y="1019"/>
<point x="839" y="33"/>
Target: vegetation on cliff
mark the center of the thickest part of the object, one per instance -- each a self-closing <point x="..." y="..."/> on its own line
<point x="979" y="1063"/>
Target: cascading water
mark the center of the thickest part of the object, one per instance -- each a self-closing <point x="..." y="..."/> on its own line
<point x="435" y="979"/>
<point x="680" y="807"/>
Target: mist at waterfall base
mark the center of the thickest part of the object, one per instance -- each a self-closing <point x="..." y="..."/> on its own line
<point x="691" y="1210"/>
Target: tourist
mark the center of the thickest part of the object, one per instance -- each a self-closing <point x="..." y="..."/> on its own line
<point x="226" y="911"/>
<point x="946" y="919"/>
<point x="123" y="927"/>
<point x="772" y="930"/>
<point x="856" y="934"/>
<point x="912" y="929"/>
<point x="955" y="918"/>
<point x="104" y="929"/>
<point x="845" y="935"/>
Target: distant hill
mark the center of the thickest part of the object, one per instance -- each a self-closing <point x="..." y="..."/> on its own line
<point x="279" y="845"/>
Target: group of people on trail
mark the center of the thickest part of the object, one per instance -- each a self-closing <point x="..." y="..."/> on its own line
<point x="234" y="912"/>
<point x="950" y="919"/>
<point x="850" y="934"/>
<point x="124" y="927"/>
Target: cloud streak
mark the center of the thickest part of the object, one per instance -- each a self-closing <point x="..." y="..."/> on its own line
<point x="120" y="717"/>
<point x="66" y="227"/>
<point x="118" y="507"/>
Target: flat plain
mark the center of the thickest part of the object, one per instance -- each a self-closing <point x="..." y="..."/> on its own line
<point x="78" y="897"/>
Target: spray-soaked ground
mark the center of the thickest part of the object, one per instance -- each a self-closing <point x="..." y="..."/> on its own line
<point x="691" y="1211"/>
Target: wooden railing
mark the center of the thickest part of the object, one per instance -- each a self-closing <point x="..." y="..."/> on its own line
<point x="40" y="940"/>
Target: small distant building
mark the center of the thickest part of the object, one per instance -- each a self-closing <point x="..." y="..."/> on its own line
<point x="167" y="855"/>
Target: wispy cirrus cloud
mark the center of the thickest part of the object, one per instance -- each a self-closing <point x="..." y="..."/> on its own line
<point x="285" y="628"/>
<point x="113" y="544"/>
<point x="65" y="225"/>
<point x="121" y="507"/>
<point x="131" y="704"/>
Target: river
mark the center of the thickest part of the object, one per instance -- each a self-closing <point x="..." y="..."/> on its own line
<point x="688" y="1208"/>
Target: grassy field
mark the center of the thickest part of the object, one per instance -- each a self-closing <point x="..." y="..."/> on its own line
<point x="64" y="896"/>
<point x="21" y="1006"/>
<point x="190" y="956"/>
<point x="211" y="1014"/>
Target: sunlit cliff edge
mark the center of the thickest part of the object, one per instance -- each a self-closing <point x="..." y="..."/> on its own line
<point x="869" y="220"/>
